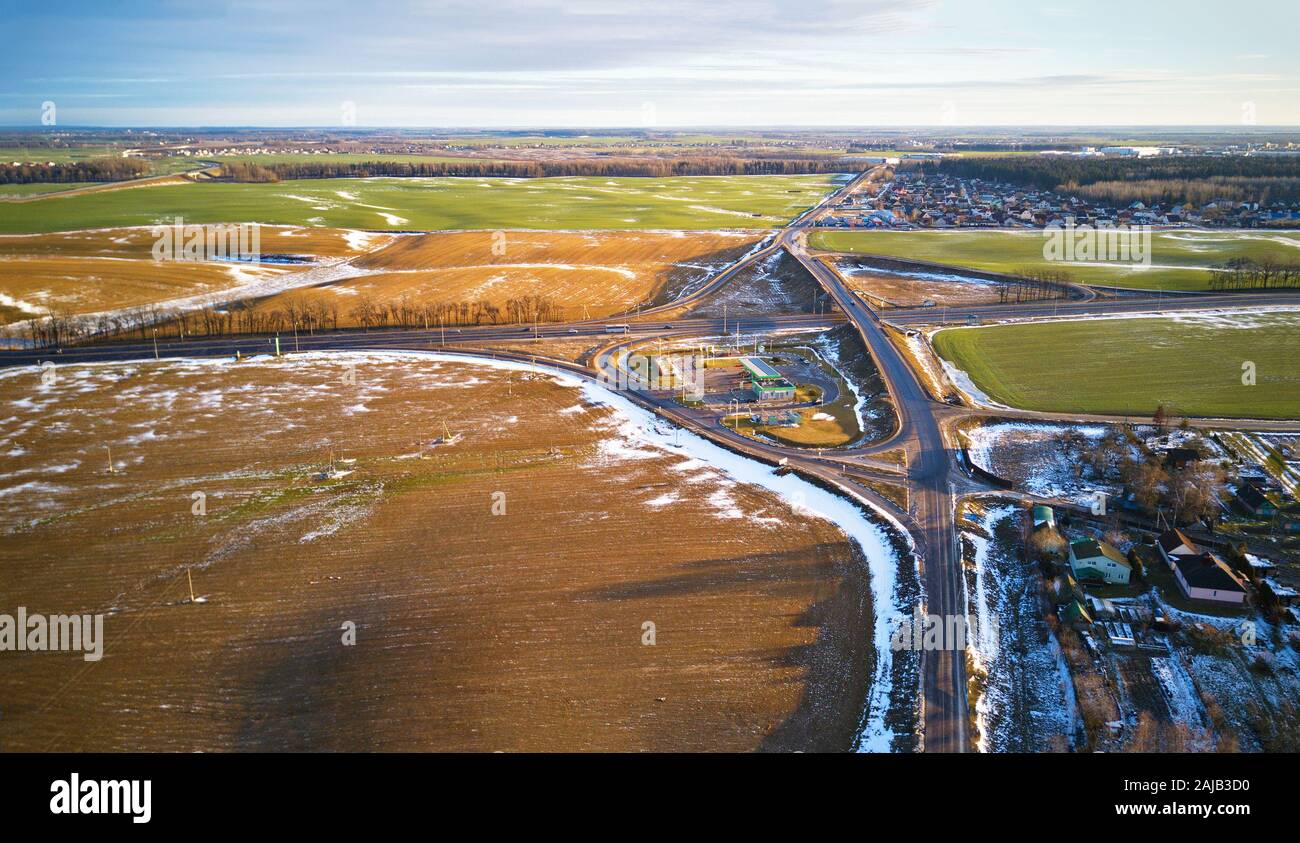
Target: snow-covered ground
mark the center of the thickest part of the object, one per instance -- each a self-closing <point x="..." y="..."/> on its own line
<point x="1027" y="701"/>
<point x="830" y="352"/>
<point x="947" y="277"/>
<point x="933" y="367"/>
<point x="251" y="281"/>
<point x="1036" y="457"/>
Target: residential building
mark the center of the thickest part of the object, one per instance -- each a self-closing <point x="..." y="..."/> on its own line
<point x="1254" y="501"/>
<point x="1092" y="559"/>
<point x="1173" y="543"/>
<point x="1207" y="577"/>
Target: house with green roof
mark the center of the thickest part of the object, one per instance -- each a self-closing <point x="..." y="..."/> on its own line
<point x="1097" y="561"/>
<point x="1044" y="517"/>
<point x="1076" y="613"/>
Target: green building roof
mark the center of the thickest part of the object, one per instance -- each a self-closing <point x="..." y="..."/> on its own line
<point x="760" y="369"/>
<point x="1075" y="612"/>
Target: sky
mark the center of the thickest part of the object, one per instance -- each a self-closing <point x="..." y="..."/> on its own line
<point x="655" y="64"/>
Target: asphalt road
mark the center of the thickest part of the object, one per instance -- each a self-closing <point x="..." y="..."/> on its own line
<point x="1084" y="309"/>
<point x="357" y="340"/>
<point x="931" y="474"/>
<point x="934" y="477"/>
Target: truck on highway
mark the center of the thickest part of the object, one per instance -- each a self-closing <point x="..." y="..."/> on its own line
<point x="616" y="329"/>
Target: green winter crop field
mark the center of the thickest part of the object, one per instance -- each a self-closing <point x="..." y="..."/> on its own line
<point x="1130" y="366"/>
<point x="1179" y="259"/>
<point x="692" y="203"/>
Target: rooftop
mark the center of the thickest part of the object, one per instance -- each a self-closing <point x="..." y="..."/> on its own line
<point x="1092" y="548"/>
<point x="760" y="368"/>
<point x="1208" y="571"/>
<point x="1171" y="540"/>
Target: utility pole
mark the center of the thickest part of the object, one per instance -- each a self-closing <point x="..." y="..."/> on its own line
<point x="155" y="343"/>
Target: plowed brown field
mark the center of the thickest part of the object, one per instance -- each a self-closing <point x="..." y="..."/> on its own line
<point x="515" y="630"/>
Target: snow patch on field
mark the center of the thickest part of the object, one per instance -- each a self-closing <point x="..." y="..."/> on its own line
<point x="359" y="241"/>
<point x="638" y="424"/>
<point x="1003" y="449"/>
<point x="639" y="435"/>
<point x="830" y="352"/>
<point x="947" y="277"/>
<point x="19" y="304"/>
<point x="711" y="210"/>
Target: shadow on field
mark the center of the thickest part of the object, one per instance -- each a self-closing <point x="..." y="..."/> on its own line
<point x="834" y="669"/>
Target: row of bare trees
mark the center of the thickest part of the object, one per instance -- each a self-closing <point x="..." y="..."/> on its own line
<point x="1249" y="274"/>
<point x="1034" y="284"/>
<point x="296" y="314"/>
<point x="408" y="313"/>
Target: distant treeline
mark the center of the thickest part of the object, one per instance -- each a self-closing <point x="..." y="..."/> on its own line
<point x="1199" y="193"/>
<point x="603" y="167"/>
<point x="1175" y="179"/>
<point x="1248" y="274"/>
<point x="98" y="169"/>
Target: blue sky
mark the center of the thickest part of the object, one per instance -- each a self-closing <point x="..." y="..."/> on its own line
<point x="663" y="63"/>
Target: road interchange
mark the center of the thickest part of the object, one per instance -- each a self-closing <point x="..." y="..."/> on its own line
<point x="931" y="471"/>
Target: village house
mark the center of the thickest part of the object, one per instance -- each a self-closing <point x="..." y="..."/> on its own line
<point x="1095" y="560"/>
<point x="1207" y="577"/>
<point x="1179" y="458"/>
<point x="1259" y="565"/>
<point x="1254" y="501"/>
<point x="1173" y="543"/>
<point x="1076" y="614"/>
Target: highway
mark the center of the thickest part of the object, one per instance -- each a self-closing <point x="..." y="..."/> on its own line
<point x="932" y="476"/>
<point x="1166" y="303"/>
<point x="932" y="473"/>
<point x="401" y="338"/>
